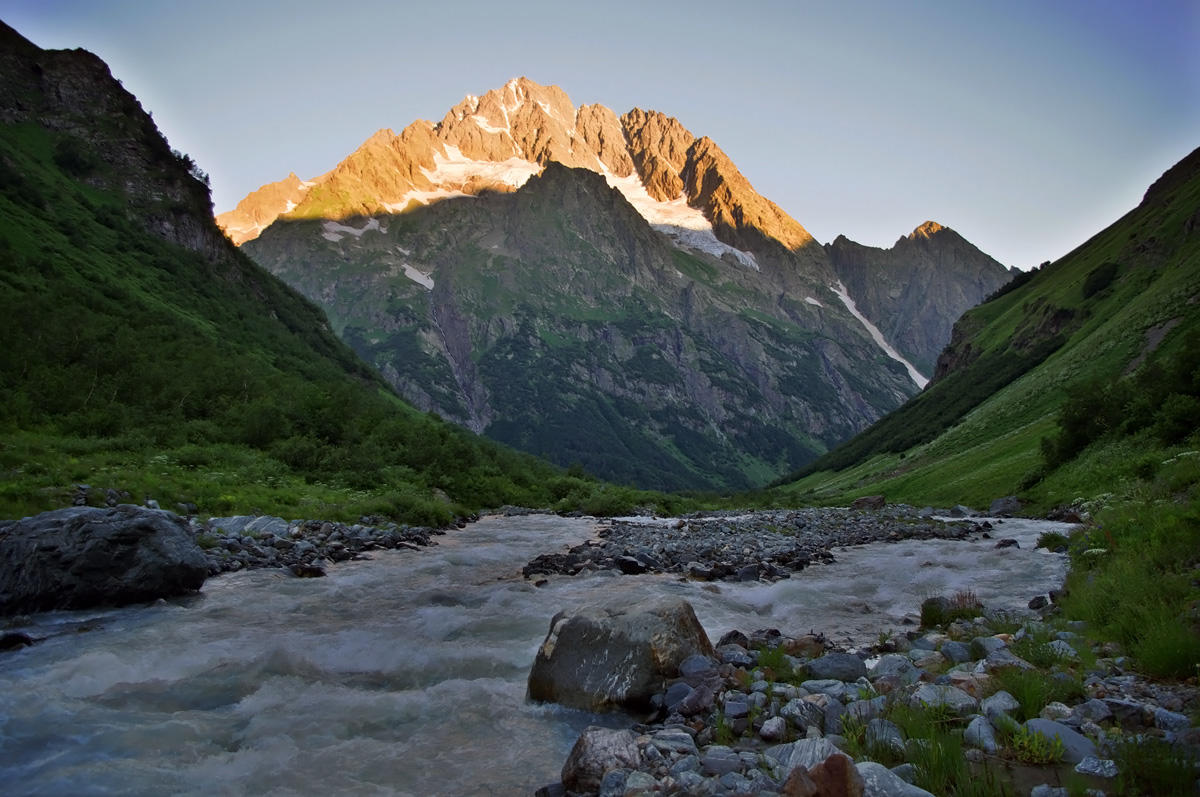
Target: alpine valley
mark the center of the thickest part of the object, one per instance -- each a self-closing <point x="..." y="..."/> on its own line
<point x="609" y="291"/>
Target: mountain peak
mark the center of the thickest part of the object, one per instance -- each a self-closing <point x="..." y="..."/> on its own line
<point x="926" y="230"/>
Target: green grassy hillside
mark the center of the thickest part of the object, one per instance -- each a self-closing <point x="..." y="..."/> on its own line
<point x="1126" y="301"/>
<point x="140" y="351"/>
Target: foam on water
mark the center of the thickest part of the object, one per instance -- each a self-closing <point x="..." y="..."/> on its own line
<point x="401" y="675"/>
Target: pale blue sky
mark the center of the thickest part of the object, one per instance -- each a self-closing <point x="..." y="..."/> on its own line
<point x="1026" y="125"/>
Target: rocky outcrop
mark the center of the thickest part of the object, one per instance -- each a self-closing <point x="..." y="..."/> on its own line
<point x="261" y="207"/>
<point x="81" y="557"/>
<point x="916" y="290"/>
<point x="615" y="656"/>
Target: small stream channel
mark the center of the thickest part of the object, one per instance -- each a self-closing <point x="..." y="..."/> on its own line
<point x="404" y="674"/>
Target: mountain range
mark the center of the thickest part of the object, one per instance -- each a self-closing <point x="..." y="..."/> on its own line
<point x="609" y="290"/>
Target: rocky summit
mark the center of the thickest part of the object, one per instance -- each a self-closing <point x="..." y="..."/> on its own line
<point x="601" y="289"/>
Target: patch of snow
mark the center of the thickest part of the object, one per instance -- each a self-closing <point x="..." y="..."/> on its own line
<point x="453" y="170"/>
<point x="331" y="236"/>
<point x="289" y="207"/>
<point x="811" y="300"/>
<point x="877" y="336"/>
<point x="419" y="277"/>
<point x="402" y="250"/>
<point x="333" y="228"/>
<point x="685" y="225"/>
<point x="307" y="183"/>
<point x="483" y="123"/>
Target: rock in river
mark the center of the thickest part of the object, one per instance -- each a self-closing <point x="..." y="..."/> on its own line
<point x="80" y="557"/>
<point x="615" y="656"/>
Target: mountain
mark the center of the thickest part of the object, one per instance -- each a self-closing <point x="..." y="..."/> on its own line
<point x="917" y="289"/>
<point x="597" y="289"/>
<point x="145" y="356"/>
<point x="1076" y="381"/>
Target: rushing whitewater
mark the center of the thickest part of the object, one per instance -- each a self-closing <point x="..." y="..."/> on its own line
<point x="404" y="674"/>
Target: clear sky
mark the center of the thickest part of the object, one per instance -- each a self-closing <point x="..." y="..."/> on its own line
<point x="1026" y="125"/>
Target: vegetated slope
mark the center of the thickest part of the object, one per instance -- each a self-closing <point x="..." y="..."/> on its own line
<point x="1127" y="298"/>
<point x="645" y="313"/>
<point x="555" y="319"/>
<point x="917" y="289"/>
<point x="142" y="351"/>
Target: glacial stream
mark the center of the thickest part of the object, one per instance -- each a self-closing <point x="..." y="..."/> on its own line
<point x="404" y="674"/>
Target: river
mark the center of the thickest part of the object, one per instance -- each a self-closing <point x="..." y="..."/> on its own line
<point x="404" y="674"/>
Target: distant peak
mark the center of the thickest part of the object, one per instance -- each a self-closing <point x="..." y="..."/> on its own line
<point x="926" y="230"/>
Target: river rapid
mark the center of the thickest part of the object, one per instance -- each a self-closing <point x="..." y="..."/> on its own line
<point x="404" y="674"/>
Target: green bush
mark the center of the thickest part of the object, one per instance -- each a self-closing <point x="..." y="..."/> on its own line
<point x="1099" y="278"/>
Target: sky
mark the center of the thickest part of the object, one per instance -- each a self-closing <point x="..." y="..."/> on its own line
<point x="1025" y="125"/>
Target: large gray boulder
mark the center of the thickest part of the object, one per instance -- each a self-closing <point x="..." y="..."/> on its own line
<point x="615" y="656"/>
<point x="81" y="557"/>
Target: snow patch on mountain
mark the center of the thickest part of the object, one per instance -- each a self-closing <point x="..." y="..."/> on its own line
<point x="453" y="170"/>
<point x="336" y="232"/>
<point x="877" y="336"/>
<point x="419" y="277"/>
<point x="813" y="301"/>
<point x="685" y="225"/>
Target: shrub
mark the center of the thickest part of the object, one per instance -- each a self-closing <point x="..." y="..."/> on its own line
<point x="1032" y="747"/>
<point x="1052" y="540"/>
<point x="1151" y="766"/>
<point x="1034" y="689"/>
<point x="1099" y="278"/>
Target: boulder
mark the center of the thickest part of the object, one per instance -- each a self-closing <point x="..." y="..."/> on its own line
<point x="1007" y="506"/>
<point x="833" y="777"/>
<point x="615" y="656"/>
<point x="868" y="502"/>
<point x="598" y="751"/>
<point x="837" y="666"/>
<point x="81" y="557"/>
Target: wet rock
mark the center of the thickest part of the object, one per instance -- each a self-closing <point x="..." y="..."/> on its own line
<point x="773" y="730"/>
<point x="955" y="652"/>
<point x="80" y="557"/>
<point x="884" y="734"/>
<point x="15" y="641"/>
<point x="618" y="655"/>
<point x="808" y="753"/>
<point x="1038" y="602"/>
<point x="598" y="751"/>
<point x="1000" y="703"/>
<point x="307" y="570"/>
<point x="1008" y="542"/>
<point x="836" y="776"/>
<point x="718" y="759"/>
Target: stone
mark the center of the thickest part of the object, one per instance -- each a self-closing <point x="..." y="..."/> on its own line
<point x="803" y="713"/>
<point x="934" y="695"/>
<point x="837" y="666"/>
<point x="598" y="751"/>
<point x="906" y="772"/>
<point x="613" y="784"/>
<point x="1092" y="710"/>
<point x="981" y="734"/>
<point x="1000" y="659"/>
<point x="631" y="565"/>
<point x="836" y="776"/>
<point x="1130" y="714"/>
<point x="615" y="656"/>
<point x="799" y="784"/>
<point x="884" y="734"/>
<point x="734" y="637"/>
<point x="955" y="652"/>
<point x="306" y="570"/>
<point x="737" y="709"/>
<point x="871" y="502"/>
<point x="639" y="783"/>
<point x="773" y="730"/>
<point x="1046" y="790"/>
<point x="828" y="686"/>
<point x="865" y="710"/>
<point x="15" y="641"/>
<point x="1063" y="649"/>
<point x="1038" y="602"/>
<point x="697" y="666"/>
<point x="1075" y="746"/>
<point x="717" y="759"/>
<point x="1170" y="720"/>
<point x="1098" y="767"/>
<point x="879" y="781"/>
<point x="1005" y="507"/>
<point x="1055" y="711"/>
<point x="926" y="659"/>
<point x="808" y="753"/>
<point x="81" y="557"/>
<point x="671" y="740"/>
<point x="1000" y="703"/>
<point x="806" y="646"/>
<point x="896" y="664"/>
<point x="1008" y="542"/>
<point x="981" y="646"/>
